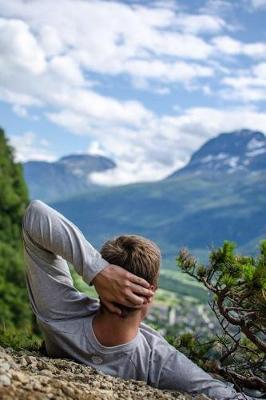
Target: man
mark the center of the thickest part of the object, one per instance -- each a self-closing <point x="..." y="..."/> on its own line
<point x="109" y="336"/>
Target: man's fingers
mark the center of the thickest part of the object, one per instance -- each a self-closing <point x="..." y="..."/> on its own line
<point x="134" y="300"/>
<point x="114" y="309"/>
<point x="139" y="281"/>
<point x="141" y="290"/>
<point x="111" y="307"/>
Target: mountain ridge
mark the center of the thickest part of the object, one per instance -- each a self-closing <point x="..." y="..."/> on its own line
<point x="192" y="208"/>
<point x="228" y="152"/>
<point x="69" y="175"/>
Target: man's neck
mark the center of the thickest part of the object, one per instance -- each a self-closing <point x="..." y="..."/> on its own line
<point x="112" y="330"/>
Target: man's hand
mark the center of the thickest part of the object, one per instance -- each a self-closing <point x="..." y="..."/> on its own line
<point x="116" y="285"/>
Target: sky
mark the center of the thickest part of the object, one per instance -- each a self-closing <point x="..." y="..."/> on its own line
<point x="144" y="83"/>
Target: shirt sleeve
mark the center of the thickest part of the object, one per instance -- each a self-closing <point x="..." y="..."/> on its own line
<point x="180" y="373"/>
<point x="50" y="241"/>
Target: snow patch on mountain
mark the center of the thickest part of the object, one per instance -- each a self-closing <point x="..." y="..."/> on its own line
<point x="256" y="152"/>
<point x="220" y="156"/>
<point x="242" y="150"/>
<point x="232" y="162"/>
<point x="255" y="144"/>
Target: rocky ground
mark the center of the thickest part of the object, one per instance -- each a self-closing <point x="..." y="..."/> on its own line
<point x="29" y="376"/>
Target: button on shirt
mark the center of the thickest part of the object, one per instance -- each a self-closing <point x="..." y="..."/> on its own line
<point x="96" y="360"/>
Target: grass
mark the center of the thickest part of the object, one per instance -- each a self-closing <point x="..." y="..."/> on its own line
<point x="20" y="339"/>
<point x="182" y="285"/>
<point x="171" y="299"/>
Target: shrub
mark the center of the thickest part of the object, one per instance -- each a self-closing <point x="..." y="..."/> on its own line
<point x="237" y="287"/>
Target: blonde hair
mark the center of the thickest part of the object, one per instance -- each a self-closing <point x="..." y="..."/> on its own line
<point x="136" y="254"/>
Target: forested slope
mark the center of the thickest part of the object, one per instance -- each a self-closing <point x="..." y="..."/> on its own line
<point x="14" y="306"/>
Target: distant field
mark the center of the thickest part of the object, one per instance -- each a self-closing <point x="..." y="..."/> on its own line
<point x="182" y="285"/>
<point x="171" y="299"/>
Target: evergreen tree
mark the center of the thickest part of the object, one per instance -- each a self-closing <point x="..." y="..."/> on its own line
<point x="14" y="305"/>
<point x="237" y="285"/>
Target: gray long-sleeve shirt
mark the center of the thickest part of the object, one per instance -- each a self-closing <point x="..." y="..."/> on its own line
<point x="65" y="315"/>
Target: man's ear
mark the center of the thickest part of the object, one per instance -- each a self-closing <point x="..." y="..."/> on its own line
<point x="154" y="287"/>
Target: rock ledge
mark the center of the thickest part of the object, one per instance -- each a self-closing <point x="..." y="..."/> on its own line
<point x="30" y="376"/>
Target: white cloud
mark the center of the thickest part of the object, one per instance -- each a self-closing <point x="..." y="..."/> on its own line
<point x="133" y="32"/>
<point x="20" y="110"/>
<point x="126" y="172"/>
<point x="59" y="84"/>
<point x="257" y="4"/>
<point x="65" y="68"/>
<point x="19" y="48"/>
<point x="256" y="50"/>
<point x="246" y="95"/>
<point x="166" y="143"/>
<point x="246" y="86"/>
<point x="29" y="143"/>
<point x="48" y="55"/>
<point x="72" y="121"/>
<point x="202" y="23"/>
<point x="52" y="49"/>
<point x="146" y="43"/>
<point x="20" y="99"/>
<point x="50" y="41"/>
<point x="218" y="7"/>
<point x="99" y="110"/>
<point x="168" y="72"/>
<point x="227" y="45"/>
<point x="259" y="70"/>
<point x="96" y="148"/>
<point x="230" y="46"/>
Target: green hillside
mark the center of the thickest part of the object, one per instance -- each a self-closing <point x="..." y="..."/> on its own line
<point x="14" y="305"/>
<point x="184" y="211"/>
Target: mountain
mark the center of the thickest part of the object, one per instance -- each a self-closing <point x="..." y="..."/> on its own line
<point x="210" y="200"/>
<point x="243" y="150"/>
<point x="70" y="175"/>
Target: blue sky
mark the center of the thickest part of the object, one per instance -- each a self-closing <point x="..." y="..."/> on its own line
<point x="142" y="82"/>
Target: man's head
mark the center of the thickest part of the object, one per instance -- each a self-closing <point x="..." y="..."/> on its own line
<point x="136" y="254"/>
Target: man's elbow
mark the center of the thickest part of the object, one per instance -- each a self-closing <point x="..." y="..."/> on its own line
<point x="32" y="209"/>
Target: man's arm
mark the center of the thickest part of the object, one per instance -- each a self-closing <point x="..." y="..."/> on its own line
<point x="180" y="373"/>
<point x="50" y="240"/>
